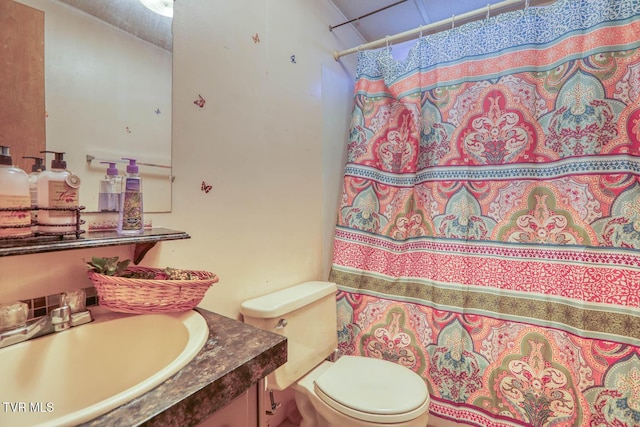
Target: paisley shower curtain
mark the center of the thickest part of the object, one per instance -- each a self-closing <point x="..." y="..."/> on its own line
<point x="489" y="229"/>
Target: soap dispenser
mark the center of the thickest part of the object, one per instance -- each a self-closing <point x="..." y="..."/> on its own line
<point x="130" y="218"/>
<point x="15" y="202"/>
<point x="37" y="167"/>
<point x="58" y="195"/>
<point x="109" y="191"/>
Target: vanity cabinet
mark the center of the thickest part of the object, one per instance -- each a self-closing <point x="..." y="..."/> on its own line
<point x="242" y="411"/>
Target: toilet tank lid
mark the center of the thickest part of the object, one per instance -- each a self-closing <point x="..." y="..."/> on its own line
<point x="287" y="300"/>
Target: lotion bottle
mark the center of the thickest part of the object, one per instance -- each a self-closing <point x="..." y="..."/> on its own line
<point x="14" y="194"/>
<point x="59" y="189"/>
<point x="37" y="167"/>
<point x="109" y="191"/>
<point x="131" y="217"/>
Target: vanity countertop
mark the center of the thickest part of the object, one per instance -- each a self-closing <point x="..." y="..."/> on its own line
<point x="235" y="356"/>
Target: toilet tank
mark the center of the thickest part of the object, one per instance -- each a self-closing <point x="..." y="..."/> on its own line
<point x="309" y="312"/>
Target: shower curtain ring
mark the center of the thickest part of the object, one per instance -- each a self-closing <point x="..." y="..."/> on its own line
<point x="526" y="4"/>
<point x="386" y="39"/>
<point x="488" y="10"/>
<point x="453" y="21"/>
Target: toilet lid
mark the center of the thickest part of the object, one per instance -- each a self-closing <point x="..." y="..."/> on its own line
<point x="373" y="390"/>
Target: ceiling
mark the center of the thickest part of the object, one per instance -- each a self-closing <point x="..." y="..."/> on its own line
<point x="130" y="16"/>
<point x="396" y="17"/>
<point x="407" y="15"/>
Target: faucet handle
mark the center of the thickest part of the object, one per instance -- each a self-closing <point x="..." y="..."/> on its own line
<point x="75" y="299"/>
<point x="61" y="318"/>
<point x="13" y="315"/>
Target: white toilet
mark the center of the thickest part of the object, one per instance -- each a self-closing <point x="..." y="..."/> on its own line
<point x="351" y="392"/>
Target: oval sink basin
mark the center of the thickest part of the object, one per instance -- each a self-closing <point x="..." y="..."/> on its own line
<point x="73" y="376"/>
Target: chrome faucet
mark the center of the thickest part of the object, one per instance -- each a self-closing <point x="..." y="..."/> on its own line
<point x="59" y="319"/>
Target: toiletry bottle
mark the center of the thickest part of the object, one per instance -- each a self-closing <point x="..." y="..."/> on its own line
<point x="37" y="167"/>
<point x="130" y="218"/>
<point x="109" y="192"/>
<point x="14" y="194"/>
<point x="58" y="195"/>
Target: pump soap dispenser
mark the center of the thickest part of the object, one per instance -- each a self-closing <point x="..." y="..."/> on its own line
<point x="130" y="218"/>
<point x="15" y="216"/>
<point x="37" y="167"/>
<point x="109" y="191"/>
<point x="58" y="195"/>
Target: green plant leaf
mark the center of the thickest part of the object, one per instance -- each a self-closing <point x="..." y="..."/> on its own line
<point x="122" y="266"/>
<point x="108" y="266"/>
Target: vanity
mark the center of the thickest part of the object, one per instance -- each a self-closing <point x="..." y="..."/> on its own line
<point x="233" y="359"/>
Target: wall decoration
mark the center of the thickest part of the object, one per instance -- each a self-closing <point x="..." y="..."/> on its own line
<point x="200" y="101"/>
<point x="205" y="187"/>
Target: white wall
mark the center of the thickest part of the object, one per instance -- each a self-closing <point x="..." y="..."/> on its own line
<point x="270" y="140"/>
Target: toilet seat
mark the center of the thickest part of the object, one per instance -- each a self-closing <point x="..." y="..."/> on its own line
<point x="373" y="390"/>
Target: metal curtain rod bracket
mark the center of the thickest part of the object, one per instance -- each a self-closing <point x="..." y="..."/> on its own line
<point x="443" y="24"/>
<point x="331" y="27"/>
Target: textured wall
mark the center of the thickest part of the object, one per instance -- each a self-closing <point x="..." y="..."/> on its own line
<point x="261" y="112"/>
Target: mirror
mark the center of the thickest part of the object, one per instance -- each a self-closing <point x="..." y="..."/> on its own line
<point x="107" y="93"/>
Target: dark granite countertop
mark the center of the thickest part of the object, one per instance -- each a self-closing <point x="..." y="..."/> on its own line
<point x="235" y="357"/>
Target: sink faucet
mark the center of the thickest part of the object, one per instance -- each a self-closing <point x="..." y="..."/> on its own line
<point x="59" y="319"/>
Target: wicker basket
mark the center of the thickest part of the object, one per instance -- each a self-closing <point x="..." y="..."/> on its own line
<point x="141" y="296"/>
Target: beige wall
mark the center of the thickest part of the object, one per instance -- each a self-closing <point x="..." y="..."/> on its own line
<point x="270" y="140"/>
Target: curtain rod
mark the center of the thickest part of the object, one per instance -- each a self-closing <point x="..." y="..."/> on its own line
<point x="331" y="27"/>
<point x="449" y="21"/>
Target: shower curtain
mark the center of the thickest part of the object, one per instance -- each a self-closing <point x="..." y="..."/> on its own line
<point x="489" y="229"/>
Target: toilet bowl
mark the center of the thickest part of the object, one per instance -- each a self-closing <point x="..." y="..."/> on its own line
<point x="353" y="391"/>
<point x="362" y="392"/>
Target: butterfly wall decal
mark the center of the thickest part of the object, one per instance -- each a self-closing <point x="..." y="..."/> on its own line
<point x="256" y="38"/>
<point x="205" y="187"/>
<point x="200" y="101"/>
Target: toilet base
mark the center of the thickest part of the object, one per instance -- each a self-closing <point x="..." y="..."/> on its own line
<point x="315" y="413"/>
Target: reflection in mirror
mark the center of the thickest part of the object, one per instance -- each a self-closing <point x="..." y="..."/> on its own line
<point x="108" y="93"/>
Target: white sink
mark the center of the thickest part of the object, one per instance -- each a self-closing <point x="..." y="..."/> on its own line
<point x="73" y="376"/>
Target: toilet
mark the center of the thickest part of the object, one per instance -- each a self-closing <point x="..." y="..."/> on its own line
<point x="353" y="391"/>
